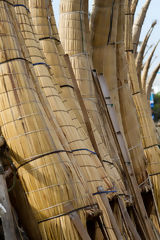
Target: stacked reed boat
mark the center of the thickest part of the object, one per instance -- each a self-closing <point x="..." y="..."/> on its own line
<point x="83" y="165"/>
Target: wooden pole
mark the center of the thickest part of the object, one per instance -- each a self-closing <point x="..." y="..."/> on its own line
<point x="128" y="222"/>
<point x="6" y="216"/>
<point x="110" y="213"/>
<point x="77" y="222"/>
<point x="103" y="229"/>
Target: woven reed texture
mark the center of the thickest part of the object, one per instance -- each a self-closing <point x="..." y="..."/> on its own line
<point x="72" y="15"/>
<point x="101" y="147"/>
<point x="80" y="63"/>
<point x="75" y="44"/>
<point x="73" y="138"/>
<point x="93" y="174"/>
<point x="42" y="32"/>
<point x="32" y="125"/>
<point x="43" y="28"/>
<point x="50" y="181"/>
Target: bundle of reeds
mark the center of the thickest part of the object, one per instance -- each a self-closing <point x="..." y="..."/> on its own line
<point x="129" y="119"/>
<point x="81" y="161"/>
<point x="43" y="21"/>
<point x="148" y="133"/>
<point x="101" y="147"/>
<point x="71" y="12"/>
<point x="75" y="14"/>
<point x="114" y="68"/>
<point x="103" y="39"/>
<point x="58" y="127"/>
<point x="49" y="178"/>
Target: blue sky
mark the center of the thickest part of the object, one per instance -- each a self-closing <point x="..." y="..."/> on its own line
<point x="152" y="14"/>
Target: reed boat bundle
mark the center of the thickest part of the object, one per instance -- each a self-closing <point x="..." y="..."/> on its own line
<point x="44" y="25"/>
<point x="103" y="41"/>
<point x="129" y="119"/>
<point x="71" y="16"/>
<point x="102" y="149"/>
<point x="49" y="178"/>
<point x="117" y="82"/>
<point x="82" y="69"/>
<point x="72" y="139"/>
<point x="75" y="45"/>
<point x="45" y="128"/>
<point x="103" y="55"/>
<point x="147" y="127"/>
<point x="47" y="229"/>
<point x="99" y="141"/>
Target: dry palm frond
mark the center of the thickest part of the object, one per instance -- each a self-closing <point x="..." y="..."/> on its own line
<point x="137" y="26"/>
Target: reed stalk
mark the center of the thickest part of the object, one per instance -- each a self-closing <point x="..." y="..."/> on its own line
<point x="140" y="55"/>
<point x="151" y="81"/>
<point x="146" y="67"/>
<point x="133" y="6"/>
<point x="137" y="26"/>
